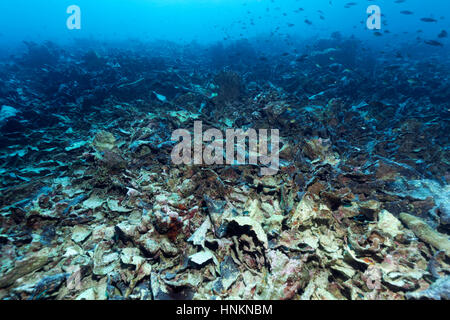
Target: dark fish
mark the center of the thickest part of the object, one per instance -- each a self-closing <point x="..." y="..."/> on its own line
<point x="301" y="58"/>
<point x="407" y="12"/>
<point x="443" y="34"/>
<point x="434" y="43"/>
<point x="428" y="20"/>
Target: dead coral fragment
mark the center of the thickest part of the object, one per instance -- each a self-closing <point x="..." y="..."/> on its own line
<point x="389" y="224"/>
<point x="253" y="225"/>
<point x="425" y="233"/>
<point x="437" y="291"/>
<point x="25" y="266"/>
<point x="104" y="141"/>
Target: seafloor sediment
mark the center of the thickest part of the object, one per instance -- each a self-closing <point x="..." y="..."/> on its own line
<point x="92" y="206"/>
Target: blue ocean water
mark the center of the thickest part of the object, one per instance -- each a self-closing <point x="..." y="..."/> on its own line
<point x="213" y="20"/>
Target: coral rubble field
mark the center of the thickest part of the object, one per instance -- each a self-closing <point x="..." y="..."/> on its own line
<point x="93" y="207"/>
